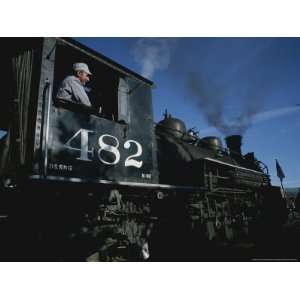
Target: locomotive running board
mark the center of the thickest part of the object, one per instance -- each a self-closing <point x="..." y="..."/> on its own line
<point x="118" y="183"/>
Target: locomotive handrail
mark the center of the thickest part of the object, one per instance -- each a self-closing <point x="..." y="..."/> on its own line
<point x="228" y="190"/>
<point x="49" y="87"/>
<point x="264" y="167"/>
<point x="231" y="165"/>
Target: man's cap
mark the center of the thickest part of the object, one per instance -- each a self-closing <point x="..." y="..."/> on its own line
<point x="81" y="67"/>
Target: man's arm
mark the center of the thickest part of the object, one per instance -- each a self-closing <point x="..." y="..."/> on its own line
<point x="65" y="91"/>
<point x="65" y="98"/>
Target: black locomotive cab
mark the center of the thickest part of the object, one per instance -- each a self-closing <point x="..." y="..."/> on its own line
<point x="110" y="141"/>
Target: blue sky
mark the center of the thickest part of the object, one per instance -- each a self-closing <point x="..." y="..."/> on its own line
<point x="256" y="77"/>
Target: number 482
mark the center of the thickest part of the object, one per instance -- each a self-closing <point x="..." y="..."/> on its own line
<point x="103" y="146"/>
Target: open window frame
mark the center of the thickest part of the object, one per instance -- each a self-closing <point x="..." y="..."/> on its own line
<point x="108" y="89"/>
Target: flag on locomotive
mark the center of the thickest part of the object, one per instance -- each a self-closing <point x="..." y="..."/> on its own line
<point x="279" y="171"/>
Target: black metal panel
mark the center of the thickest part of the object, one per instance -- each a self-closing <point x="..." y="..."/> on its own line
<point x="73" y="144"/>
<point x="141" y="118"/>
<point x="86" y="147"/>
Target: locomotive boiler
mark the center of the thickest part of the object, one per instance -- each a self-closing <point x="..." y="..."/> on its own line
<point x="107" y="183"/>
<point x="220" y="167"/>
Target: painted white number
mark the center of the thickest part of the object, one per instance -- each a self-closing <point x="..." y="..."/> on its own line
<point x="113" y="159"/>
<point x="109" y="148"/>
<point x="129" y="160"/>
<point x="84" y="145"/>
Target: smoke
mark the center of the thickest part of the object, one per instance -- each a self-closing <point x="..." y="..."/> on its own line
<point x="230" y="102"/>
<point x="229" y="87"/>
<point x="262" y="117"/>
<point x="211" y="100"/>
<point x="152" y="54"/>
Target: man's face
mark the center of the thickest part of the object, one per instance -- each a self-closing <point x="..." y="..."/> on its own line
<point x="83" y="77"/>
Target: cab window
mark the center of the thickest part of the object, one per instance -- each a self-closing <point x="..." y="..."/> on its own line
<point x="107" y="89"/>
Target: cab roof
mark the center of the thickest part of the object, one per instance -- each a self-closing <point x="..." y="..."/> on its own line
<point x="100" y="57"/>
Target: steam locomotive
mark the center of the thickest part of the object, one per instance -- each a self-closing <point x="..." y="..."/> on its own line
<point x="107" y="183"/>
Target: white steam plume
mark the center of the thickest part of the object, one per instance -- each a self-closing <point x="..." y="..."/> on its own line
<point x="152" y="54"/>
